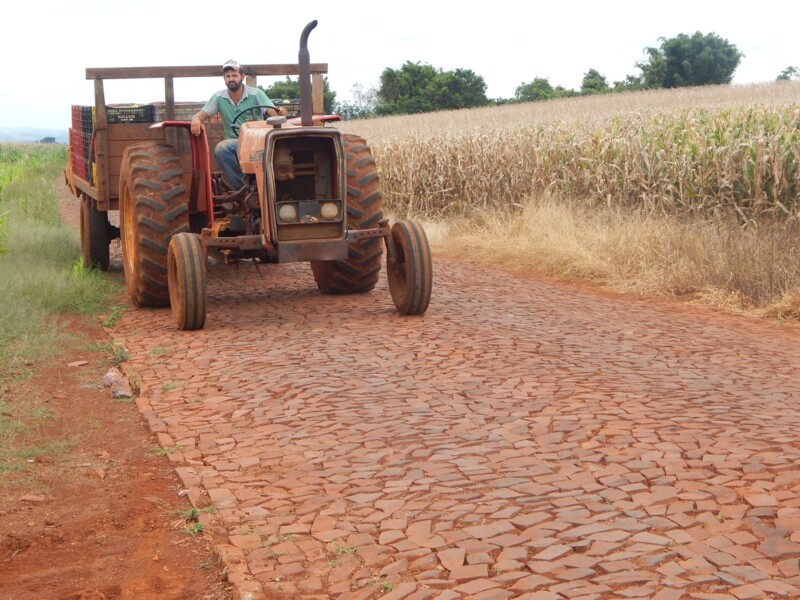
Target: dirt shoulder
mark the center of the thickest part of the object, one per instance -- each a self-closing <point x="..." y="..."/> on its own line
<point x="94" y="508"/>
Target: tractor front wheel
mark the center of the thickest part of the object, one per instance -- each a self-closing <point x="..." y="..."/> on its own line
<point x="153" y="207"/>
<point x="410" y="273"/>
<point x="186" y="272"/>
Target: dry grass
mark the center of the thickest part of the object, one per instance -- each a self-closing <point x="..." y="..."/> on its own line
<point x="754" y="271"/>
<point x="686" y="193"/>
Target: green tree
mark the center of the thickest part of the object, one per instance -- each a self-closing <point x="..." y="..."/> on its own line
<point x="418" y="87"/>
<point x="630" y="83"/>
<point x="538" y="89"/>
<point x="362" y="105"/>
<point x="789" y="73"/>
<point x="461" y="88"/>
<point x="289" y="89"/>
<point x="699" y="59"/>
<point x="653" y="69"/>
<point x="594" y="83"/>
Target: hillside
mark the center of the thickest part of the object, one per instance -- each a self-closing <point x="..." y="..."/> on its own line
<point x="31" y="134"/>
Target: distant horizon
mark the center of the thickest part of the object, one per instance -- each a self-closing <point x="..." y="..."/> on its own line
<point x="23" y="134"/>
<point x="68" y="115"/>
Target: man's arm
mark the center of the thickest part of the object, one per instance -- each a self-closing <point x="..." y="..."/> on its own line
<point x="198" y="120"/>
<point x="272" y="110"/>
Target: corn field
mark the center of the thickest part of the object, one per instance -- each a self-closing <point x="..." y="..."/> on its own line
<point x="709" y="151"/>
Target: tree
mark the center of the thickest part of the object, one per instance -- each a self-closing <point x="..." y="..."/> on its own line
<point x="789" y="73"/>
<point x="538" y="89"/>
<point x="630" y="83"/>
<point x="690" y="60"/>
<point x="362" y="106"/>
<point x="653" y="69"/>
<point x="418" y="87"/>
<point x="594" y="83"/>
<point x="289" y="89"/>
<point x="461" y="88"/>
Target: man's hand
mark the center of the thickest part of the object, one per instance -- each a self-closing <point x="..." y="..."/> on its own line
<point x="197" y="125"/>
<point x="274" y="111"/>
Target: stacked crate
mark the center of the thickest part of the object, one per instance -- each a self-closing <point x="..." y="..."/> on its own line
<point x="292" y="107"/>
<point x="184" y="111"/>
<point x="83" y="117"/>
<point x="80" y="141"/>
<point x="130" y="113"/>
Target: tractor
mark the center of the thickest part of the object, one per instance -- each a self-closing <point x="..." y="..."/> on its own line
<point x="312" y="194"/>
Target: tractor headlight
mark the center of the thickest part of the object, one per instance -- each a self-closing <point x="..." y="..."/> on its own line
<point x="287" y="213"/>
<point x="329" y="211"/>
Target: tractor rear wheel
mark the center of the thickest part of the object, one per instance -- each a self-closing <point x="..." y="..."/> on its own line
<point x="359" y="272"/>
<point x="152" y="208"/>
<point x="186" y="273"/>
<point x="95" y="236"/>
<point x="410" y="274"/>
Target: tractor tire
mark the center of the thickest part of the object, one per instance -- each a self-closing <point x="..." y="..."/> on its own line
<point x="359" y="272"/>
<point x="153" y="207"/>
<point x="186" y="273"/>
<point x="95" y="236"/>
<point x="410" y="274"/>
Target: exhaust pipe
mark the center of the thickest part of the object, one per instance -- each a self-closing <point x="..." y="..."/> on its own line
<point x="304" y="64"/>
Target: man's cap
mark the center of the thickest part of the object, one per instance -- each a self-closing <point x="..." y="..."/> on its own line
<point x="231" y="64"/>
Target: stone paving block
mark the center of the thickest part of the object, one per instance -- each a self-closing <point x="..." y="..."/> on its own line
<point x="475" y="586"/>
<point x="541" y="595"/>
<point x="779" y="548"/>
<point x="467" y="573"/>
<point x="424" y="563"/>
<point x="493" y="594"/>
<point x="552" y="552"/>
<point x="401" y="592"/>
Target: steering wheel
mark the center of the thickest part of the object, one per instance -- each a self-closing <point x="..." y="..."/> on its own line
<point x="235" y="127"/>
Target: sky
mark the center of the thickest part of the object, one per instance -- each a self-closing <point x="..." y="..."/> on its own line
<point x="46" y="45"/>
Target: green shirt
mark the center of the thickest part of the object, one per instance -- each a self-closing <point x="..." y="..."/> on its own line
<point x="221" y="103"/>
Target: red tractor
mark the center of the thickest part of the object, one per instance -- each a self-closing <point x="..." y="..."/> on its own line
<point x="311" y="194"/>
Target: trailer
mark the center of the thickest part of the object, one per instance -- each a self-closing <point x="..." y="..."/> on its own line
<point x="100" y="134"/>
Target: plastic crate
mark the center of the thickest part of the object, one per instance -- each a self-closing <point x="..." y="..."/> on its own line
<point x="86" y="141"/>
<point x="76" y="153"/>
<point x="87" y="119"/>
<point x="130" y="113"/>
<point x="76" y="118"/>
<point x="83" y="118"/>
<point x="184" y="111"/>
<point x="292" y="107"/>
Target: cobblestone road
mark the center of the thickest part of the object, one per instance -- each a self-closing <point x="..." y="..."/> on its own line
<point x="523" y="439"/>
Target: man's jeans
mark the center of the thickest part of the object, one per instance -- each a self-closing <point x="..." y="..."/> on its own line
<point x="225" y="153"/>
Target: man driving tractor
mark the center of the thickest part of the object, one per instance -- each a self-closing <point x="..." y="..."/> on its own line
<point x="228" y="103"/>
